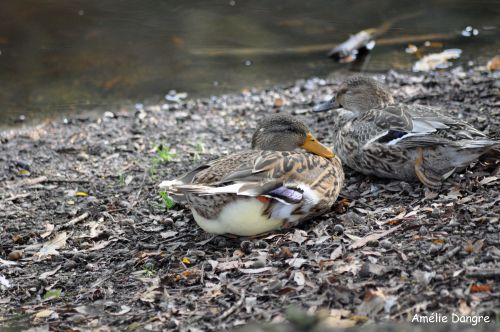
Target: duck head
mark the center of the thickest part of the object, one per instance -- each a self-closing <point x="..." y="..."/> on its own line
<point x="357" y="94"/>
<point x="281" y="132"/>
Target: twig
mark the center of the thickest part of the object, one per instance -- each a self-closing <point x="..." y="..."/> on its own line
<point x="486" y="274"/>
<point x="448" y="255"/>
<point x="13" y="198"/>
<point x="231" y="310"/>
<point x="73" y="221"/>
<point x="372" y="237"/>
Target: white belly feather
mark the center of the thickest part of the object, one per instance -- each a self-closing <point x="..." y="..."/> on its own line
<point x="242" y="217"/>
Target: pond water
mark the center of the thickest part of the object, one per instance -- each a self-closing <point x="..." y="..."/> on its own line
<point x="59" y="57"/>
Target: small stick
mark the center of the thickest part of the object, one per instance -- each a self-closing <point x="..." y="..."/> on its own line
<point x="372" y="237"/>
<point x="73" y="221"/>
<point x="231" y="310"/>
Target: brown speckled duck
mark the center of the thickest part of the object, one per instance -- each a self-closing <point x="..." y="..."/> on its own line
<point x="376" y="136"/>
<point x="264" y="189"/>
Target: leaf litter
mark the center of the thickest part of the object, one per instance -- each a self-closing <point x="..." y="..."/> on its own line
<point x="113" y="257"/>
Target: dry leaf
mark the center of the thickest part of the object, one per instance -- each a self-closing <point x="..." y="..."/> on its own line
<point x="463" y="308"/>
<point x="51" y="247"/>
<point x="43" y="314"/>
<point x="48" y="230"/>
<point x="372" y="237"/>
<point x="298" y="236"/>
<point x="343" y="266"/>
<point x="123" y="310"/>
<point x="299" y="278"/>
<point x="474" y="247"/>
<point x="480" y="288"/>
<point x="296" y="262"/>
<point x="423" y="277"/>
<point x="224" y="266"/>
<point x="49" y="273"/>
<point x="256" y="271"/>
<point x="6" y="263"/>
<point x="336" y="253"/>
<point x="101" y="245"/>
<point x="372" y="304"/>
<point x="167" y="234"/>
<point x="4" y="282"/>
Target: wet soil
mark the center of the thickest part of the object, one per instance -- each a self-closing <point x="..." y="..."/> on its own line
<point x="86" y="241"/>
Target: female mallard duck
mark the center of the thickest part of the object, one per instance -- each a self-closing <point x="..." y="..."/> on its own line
<point x="271" y="187"/>
<point x="376" y="136"/>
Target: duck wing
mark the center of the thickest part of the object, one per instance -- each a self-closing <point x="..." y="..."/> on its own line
<point x="276" y="174"/>
<point x="410" y="126"/>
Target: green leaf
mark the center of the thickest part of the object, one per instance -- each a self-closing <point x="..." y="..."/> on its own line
<point x="52" y="294"/>
<point x="167" y="200"/>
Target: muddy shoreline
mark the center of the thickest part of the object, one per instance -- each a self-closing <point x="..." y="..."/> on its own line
<point x="86" y="241"/>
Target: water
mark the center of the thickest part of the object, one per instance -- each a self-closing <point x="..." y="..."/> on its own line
<point x="61" y="57"/>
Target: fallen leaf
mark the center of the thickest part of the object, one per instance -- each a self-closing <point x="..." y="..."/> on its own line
<point x="4" y="282"/>
<point x="372" y="237"/>
<point x="299" y="278"/>
<point x="50" y="247"/>
<point x="43" y="314"/>
<point x="52" y="294"/>
<point x="475" y="247"/>
<point x="49" y="273"/>
<point x="437" y="60"/>
<point x="488" y="180"/>
<point x="256" y="271"/>
<point x="296" y="262"/>
<point x="48" y="230"/>
<point x="372" y="304"/>
<point x="224" y="266"/>
<point x="81" y="194"/>
<point x="167" y="234"/>
<point x="336" y="253"/>
<point x="123" y="310"/>
<point x="424" y="277"/>
<point x="463" y="308"/>
<point x="494" y="63"/>
<point x="4" y="300"/>
<point x="6" y="263"/>
<point x="101" y="245"/>
<point x="480" y="288"/>
<point x="344" y="266"/>
<point x="298" y="236"/>
<point x="334" y="323"/>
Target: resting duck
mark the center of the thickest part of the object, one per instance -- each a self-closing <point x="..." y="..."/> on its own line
<point x="376" y="136"/>
<point x="264" y="189"/>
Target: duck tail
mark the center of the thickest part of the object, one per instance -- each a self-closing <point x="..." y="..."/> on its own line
<point x="492" y="154"/>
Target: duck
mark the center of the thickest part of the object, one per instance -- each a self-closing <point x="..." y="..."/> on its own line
<point x="375" y="135"/>
<point x="286" y="178"/>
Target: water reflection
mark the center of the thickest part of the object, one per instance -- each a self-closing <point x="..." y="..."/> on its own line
<point x="66" y="56"/>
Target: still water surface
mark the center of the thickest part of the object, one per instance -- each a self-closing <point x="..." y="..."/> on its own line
<point x="59" y="57"/>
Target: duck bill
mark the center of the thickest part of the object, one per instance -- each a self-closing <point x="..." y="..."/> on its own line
<point x="312" y="145"/>
<point x="326" y="106"/>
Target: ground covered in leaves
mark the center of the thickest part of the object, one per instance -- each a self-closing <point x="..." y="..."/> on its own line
<point x="86" y="240"/>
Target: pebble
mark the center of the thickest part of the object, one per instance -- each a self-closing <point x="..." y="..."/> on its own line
<point x="258" y="264"/>
<point x="222" y="243"/>
<point x="372" y="243"/>
<point x="434" y="249"/>
<point x="69" y="264"/>
<point x="247" y="247"/>
<point x="15" y="255"/>
<point x="338" y="229"/>
<point x="386" y="244"/>
<point x="444" y="293"/>
<point x="423" y="231"/>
